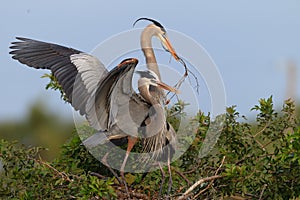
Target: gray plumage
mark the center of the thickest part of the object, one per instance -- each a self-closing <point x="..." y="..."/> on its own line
<point x="78" y="73"/>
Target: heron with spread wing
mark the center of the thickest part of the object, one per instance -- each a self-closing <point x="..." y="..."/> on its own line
<point x="106" y="98"/>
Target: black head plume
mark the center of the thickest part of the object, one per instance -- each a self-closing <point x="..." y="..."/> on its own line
<point x="147" y="74"/>
<point x="151" y="20"/>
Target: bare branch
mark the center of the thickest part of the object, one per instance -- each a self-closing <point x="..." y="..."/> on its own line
<point x="262" y="191"/>
<point x="198" y="183"/>
<point x="212" y="178"/>
<point x="262" y="130"/>
<point x="182" y="175"/>
<point x="63" y="175"/>
<point x="212" y="181"/>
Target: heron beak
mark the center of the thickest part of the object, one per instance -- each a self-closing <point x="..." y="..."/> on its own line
<point x="167" y="87"/>
<point x="169" y="47"/>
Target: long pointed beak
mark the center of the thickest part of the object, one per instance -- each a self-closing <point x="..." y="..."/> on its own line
<point x="167" y="44"/>
<point x="167" y="87"/>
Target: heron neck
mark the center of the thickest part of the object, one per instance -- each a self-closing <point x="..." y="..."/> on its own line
<point x="146" y="43"/>
<point x="144" y="91"/>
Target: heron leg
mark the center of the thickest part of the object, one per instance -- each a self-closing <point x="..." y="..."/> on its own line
<point x="170" y="174"/>
<point x="131" y="143"/>
<point x="163" y="176"/>
<point x="104" y="161"/>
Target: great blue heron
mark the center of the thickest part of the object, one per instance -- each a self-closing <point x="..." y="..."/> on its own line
<point x="144" y="109"/>
<point x="100" y="95"/>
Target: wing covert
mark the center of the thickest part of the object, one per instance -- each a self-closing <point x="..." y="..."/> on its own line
<point x="78" y="73"/>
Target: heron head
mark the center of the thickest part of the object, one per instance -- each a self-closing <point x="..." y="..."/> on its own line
<point x="149" y="78"/>
<point x="160" y="32"/>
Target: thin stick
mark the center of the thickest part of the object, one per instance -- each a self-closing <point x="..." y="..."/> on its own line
<point x="198" y="183"/>
<point x="97" y="175"/>
<point x="182" y="175"/>
<point x="262" y="130"/>
<point x="62" y="174"/>
<point x="212" y="181"/>
<point x="182" y="79"/>
<point x="262" y="191"/>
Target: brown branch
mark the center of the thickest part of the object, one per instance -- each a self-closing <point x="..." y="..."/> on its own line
<point x="262" y="130"/>
<point x="122" y="194"/>
<point x="62" y="174"/>
<point x="212" y="178"/>
<point x="192" y="170"/>
<point x="262" y="191"/>
<point x="198" y="183"/>
<point x="267" y="144"/>
<point x="212" y="181"/>
<point x="260" y="144"/>
<point x="258" y="133"/>
<point x="97" y="175"/>
<point x="182" y="175"/>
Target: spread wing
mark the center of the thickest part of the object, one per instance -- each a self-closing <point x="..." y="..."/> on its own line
<point x="128" y="110"/>
<point x="115" y="96"/>
<point x="78" y="73"/>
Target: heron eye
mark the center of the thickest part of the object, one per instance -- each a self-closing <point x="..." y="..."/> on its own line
<point x="153" y="81"/>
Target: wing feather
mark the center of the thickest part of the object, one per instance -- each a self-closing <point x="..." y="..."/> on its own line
<point x="78" y="73"/>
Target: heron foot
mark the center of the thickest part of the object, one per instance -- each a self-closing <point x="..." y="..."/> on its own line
<point x="104" y="161"/>
<point x="163" y="177"/>
<point x="170" y="179"/>
<point x="125" y="184"/>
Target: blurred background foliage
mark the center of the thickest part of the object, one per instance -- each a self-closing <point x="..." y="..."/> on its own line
<point x="40" y="127"/>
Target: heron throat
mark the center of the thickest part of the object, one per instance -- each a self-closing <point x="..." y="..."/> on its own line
<point x="146" y="44"/>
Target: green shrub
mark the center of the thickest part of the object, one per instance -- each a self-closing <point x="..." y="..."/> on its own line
<point x="27" y="176"/>
<point x="251" y="160"/>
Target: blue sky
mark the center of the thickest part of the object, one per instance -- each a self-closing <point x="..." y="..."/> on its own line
<point x="249" y="42"/>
